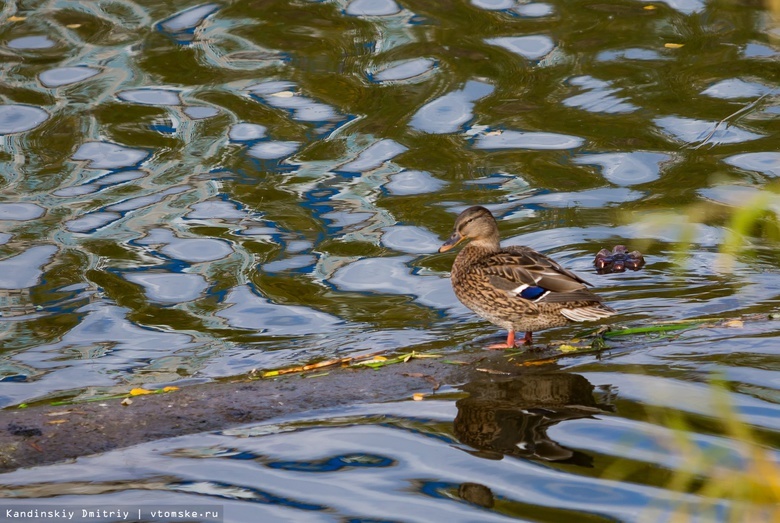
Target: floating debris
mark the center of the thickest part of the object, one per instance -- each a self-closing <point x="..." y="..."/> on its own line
<point x="618" y="260"/>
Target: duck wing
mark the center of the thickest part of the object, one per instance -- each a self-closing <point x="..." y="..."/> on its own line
<point x="533" y="276"/>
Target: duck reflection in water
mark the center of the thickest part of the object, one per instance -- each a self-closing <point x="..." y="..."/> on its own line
<point x="511" y="417"/>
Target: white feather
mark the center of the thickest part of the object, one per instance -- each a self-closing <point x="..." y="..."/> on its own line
<point x="520" y="289"/>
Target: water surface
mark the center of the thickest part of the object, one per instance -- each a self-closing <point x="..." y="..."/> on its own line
<point x="198" y="190"/>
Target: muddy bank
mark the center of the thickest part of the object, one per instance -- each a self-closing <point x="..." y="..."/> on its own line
<point x="47" y="434"/>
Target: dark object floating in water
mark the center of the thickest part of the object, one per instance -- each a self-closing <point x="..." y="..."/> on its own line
<point x="618" y="260"/>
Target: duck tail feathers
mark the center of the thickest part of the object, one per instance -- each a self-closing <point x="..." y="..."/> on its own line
<point x="589" y="313"/>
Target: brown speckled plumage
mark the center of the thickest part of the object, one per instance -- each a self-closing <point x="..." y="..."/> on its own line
<point x="515" y="287"/>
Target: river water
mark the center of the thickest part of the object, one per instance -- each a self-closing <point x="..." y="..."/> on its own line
<point x="192" y="191"/>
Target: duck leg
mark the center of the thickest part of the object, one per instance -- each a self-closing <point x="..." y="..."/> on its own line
<point x="510" y="342"/>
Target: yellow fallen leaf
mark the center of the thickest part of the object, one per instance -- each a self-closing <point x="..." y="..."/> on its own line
<point x="270" y="373"/>
<point x="126" y="402"/>
<point x="17" y="18"/>
<point x="369" y="362"/>
<point x="418" y="396"/>
<point x="567" y="348"/>
<point x="649" y="8"/>
<point x="170" y="389"/>
<point x="734" y="324"/>
<point x="56" y="421"/>
<point x="140" y="392"/>
<point x="670" y="45"/>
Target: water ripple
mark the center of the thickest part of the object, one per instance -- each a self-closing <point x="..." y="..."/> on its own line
<point x="763" y="162"/>
<point x="186" y="21"/>
<point x="170" y="288"/>
<point x="627" y="168"/>
<point x="60" y="76"/>
<point x="690" y="130"/>
<point x="20" y="118"/>
<point x="448" y="113"/>
<point x="526" y="140"/>
<point x="106" y="155"/>
<point x="247" y="310"/>
<point x="532" y="47"/>
<point x="25" y="269"/>
<point x="31" y="42"/>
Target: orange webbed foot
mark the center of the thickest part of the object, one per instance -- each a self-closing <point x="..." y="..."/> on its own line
<point x="510" y="342"/>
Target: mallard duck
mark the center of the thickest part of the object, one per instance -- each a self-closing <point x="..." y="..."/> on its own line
<point x="515" y="287"/>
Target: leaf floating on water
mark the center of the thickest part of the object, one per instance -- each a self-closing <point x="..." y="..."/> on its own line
<point x="568" y="348"/>
<point x="376" y="362"/>
<point x="734" y="324"/>
<point x="670" y="45"/>
<point x="418" y="396"/>
<point x="170" y="389"/>
<point x="17" y="18"/>
<point x="649" y="8"/>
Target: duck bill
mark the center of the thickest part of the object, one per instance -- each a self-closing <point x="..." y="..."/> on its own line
<point x="455" y="239"/>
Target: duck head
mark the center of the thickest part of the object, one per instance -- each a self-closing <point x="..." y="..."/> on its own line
<point x="476" y="224"/>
